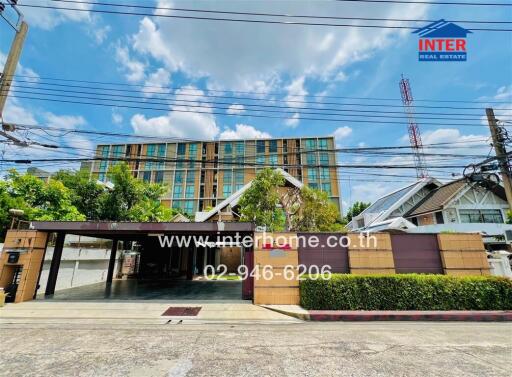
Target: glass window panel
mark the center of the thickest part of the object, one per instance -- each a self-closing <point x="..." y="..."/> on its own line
<point x="178" y="191"/>
<point x="178" y="178"/>
<point x="260" y="146"/>
<point x="273" y="159"/>
<point x="226" y="190"/>
<point x="322" y="144"/>
<point x="189" y="191"/>
<point x="240" y="148"/>
<point x="272" y="146"/>
<point x="228" y="148"/>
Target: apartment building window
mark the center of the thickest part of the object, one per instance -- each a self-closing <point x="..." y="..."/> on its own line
<point x="324" y="158"/>
<point x="189" y="191"/>
<point x="147" y="176"/>
<point x="189" y="207"/>
<point x="159" y="177"/>
<point x="101" y="177"/>
<point x="181" y="155"/>
<point x="178" y="178"/>
<point x="161" y="154"/>
<point x="312" y="175"/>
<point x="228" y="148"/>
<point x="150" y="153"/>
<point x="240" y="148"/>
<point x="272" y="159"/>
<point x="324" y="174"/>
<point x="178" y="191"/>
<point x="310" y="144"/>
<point x="260" y="146"/>
<point x="260" y="160"/>
<point x="311" y="158"/>
<point x="322" y="144"/>
<point x="226" y="189"/>
<point x="117" y="152"/>
<point x="481" y="216"/>
<point x="327" y="188"/>
<point x="272" y="147"/>
<point x="239" y="179"/>
<point x="191" y="176"/>
<point x="192" y="154"/>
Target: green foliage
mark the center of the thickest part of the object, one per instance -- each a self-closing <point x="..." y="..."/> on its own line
<point x="406" y="292"/>
<point x="132" y="199"/>
<point x="71" y="196"/>
<point x="267" y="204"/>
<point x="260" y="203"/>
<point x="356" y="209"/>
<point x="86" y="195"/>
<point x="316" y="213"/>
<point x="509" y="217"/>
<point x="40" y="200"/>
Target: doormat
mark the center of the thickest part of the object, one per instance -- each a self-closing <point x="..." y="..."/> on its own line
<point x="182" y="311"/>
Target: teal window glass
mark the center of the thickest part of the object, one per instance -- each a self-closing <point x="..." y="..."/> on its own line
<point x="226" y="190"/>
<point x="324" y="174"/>
<point x="272" y="159"/>
<point x="322" y="144"/>
<point x="310" y="144"/>
<point x="260" y="146"/>
<point x="239" y="177"/>
<point x="189" y="191"/>
<point x="159" y="177"/>
<point x="147" y="176"/>
<point x="260" y="160"/>
<point x="240" y="148"/>
<point x="272" y="147"/>
<point x="191" y="176"/>
<point x="189" y="207"/>
<point x="178" y="191"/>
<point x="178" y="177"/>
<point x="311" y="158"/>
<point x="228" y="148"/>
<point x="324" y="158"/>
<point x="327" y="188"/>
<point x="312" y="175"/>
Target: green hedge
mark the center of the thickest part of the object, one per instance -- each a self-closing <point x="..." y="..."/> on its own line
<point x="406" y="292"/>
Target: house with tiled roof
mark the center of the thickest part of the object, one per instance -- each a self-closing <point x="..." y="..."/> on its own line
<point x="427" y="206"/>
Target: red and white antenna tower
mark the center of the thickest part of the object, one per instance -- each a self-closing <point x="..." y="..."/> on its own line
<point x="414" y="129"/>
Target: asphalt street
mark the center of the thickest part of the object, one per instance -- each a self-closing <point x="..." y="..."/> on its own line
<point x="256" y="349"/>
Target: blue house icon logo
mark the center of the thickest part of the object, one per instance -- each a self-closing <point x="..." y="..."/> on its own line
<point x="442" y="41"/>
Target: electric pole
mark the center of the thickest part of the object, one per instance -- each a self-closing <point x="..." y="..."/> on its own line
<point x="13" y="58"/>
<point x="501" y="153"/>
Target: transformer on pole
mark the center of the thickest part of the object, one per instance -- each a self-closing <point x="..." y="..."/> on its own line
<point x="414" y="130"/>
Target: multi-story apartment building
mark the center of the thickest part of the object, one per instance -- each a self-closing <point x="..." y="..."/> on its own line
<point x="200" y="174"/>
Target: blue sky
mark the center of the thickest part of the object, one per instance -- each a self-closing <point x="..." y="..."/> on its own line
<point x="294" y="61"/>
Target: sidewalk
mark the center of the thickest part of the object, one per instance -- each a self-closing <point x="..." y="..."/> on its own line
<point x="395" y="315"/>
<point x="142" y="312"/>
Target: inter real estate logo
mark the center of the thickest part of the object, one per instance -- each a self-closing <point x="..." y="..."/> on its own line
<point x="442" y="41"/>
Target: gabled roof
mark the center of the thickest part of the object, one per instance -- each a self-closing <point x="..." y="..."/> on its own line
<point x="440" y="197"/>
<point x="387" y="204"/>
<point x="437" y="198"/>
<point x="442" y="29"/>
<point x="235" y="197"/>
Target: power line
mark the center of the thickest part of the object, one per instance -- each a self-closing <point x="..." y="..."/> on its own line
<point x="282" y="15"/>
<point x="167" y="109"/>
<point x="177" y="100"/>
<point x="37" y="79"/>
<point x="195" y="94"/>
<point x="244" y="20"/>
<point x="429" y="2"/>
<point x="273" y="110"/>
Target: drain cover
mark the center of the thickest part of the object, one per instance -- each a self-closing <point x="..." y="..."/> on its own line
<point x="182" y="311"/>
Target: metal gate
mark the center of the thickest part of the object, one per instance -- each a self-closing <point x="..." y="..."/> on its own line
<point x="416" y="253"/>
<point x="324" y="255"/>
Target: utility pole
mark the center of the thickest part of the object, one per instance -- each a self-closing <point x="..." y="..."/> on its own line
<point x="11" y="64"/>
<point x="501" y="154"/>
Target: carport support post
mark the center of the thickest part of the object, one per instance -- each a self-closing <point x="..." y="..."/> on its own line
<point x="55" y="264"/>
<point x="112" y="261"/>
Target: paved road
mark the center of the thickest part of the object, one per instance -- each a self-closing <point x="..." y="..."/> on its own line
<point x="302" y="349"/>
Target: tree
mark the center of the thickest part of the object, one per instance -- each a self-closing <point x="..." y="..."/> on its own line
<point x="316" y="212"/>
<point x="86" y="195"/>
<point x="269" y="203"/>
<point x="356" y="209"/>
<point x="260" y="203"/>
<point x="132" y="199"/>
<point x="42" y="201"/>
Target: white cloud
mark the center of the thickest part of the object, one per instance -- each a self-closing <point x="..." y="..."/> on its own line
<point x="33" y="77"/>
<point x="296" y="92"/>
<point x="14" y="112"/>
<point x="342" y="133"/>
<point x="49" y="18"/>
<point x="243" y="131"/>
<point x="157" y="83"/>
<point x="117" y="118"/>
<point x="182" y="121"/>
<point x="133" y="68"/>
<point x="236" y="109"/>
<point x="293" y="121"/>
<point x="99" y="33"/>
<point x="262" y="54"/>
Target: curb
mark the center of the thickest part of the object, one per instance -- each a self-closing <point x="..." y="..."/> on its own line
<point x="361" y="316"/>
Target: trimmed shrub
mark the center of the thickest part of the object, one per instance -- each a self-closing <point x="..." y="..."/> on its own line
<point x="406" y="292"/>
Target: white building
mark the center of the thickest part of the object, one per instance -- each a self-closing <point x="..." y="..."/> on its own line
<point x="430" y="207"/>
